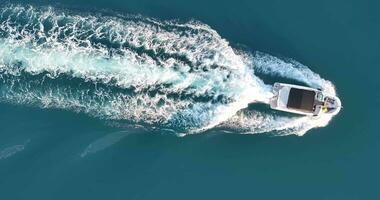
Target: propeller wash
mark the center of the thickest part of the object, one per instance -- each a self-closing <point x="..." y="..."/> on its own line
<point x="168" y="74"/>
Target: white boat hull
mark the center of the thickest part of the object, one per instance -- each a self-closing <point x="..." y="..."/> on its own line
<point x="303" y="100"/>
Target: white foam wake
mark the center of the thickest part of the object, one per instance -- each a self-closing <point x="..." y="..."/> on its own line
<point x="181" y="75"/>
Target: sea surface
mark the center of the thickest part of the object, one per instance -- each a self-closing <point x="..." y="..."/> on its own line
<point x="168" y="99"/>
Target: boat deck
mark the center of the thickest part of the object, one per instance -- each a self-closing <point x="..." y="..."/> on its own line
<point x="301" y="99"/>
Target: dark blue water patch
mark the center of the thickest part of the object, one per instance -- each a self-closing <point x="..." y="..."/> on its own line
<point x="70" y="84"/>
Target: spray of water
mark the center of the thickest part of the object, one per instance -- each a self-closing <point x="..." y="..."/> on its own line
<point x="164" y="73"/>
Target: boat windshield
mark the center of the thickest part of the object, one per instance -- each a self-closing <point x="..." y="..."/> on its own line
<point x="301" y="99"/>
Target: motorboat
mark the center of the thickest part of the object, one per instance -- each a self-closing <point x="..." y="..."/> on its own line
<point x="304" y="100"/>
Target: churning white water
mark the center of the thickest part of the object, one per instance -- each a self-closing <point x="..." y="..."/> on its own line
<point x="163" y="73"/>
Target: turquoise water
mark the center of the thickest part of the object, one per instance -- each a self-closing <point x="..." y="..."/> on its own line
<point x="150" y="100"/>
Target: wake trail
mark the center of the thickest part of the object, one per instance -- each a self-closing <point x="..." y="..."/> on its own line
<point x="169" y="74"/>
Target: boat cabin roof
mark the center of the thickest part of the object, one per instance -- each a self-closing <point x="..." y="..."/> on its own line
<point x="300" y="99"/>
